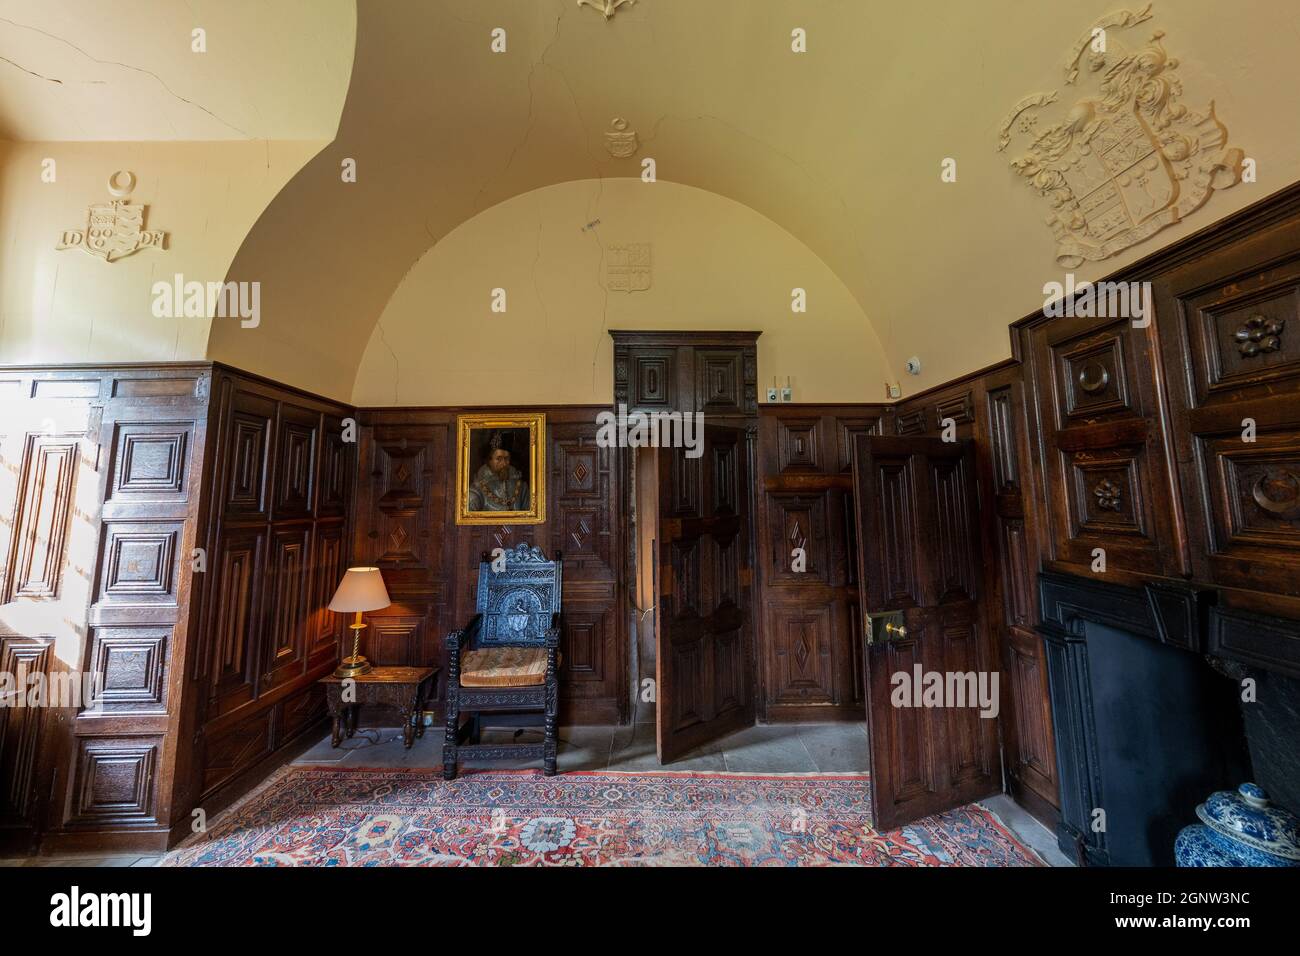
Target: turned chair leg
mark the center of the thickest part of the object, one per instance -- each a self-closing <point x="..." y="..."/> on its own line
<point x="549" y="734"/>
<point x="449" y="741"/>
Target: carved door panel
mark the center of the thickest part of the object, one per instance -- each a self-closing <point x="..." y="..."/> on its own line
<point x="917" y="542"/>
<point x="704" y="668"/>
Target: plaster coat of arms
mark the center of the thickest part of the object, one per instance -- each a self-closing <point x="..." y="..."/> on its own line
<point x="1127" y="158"/>
<point x="620" y="141"/>
<point x="115" y="229"/>
<point x="628" y="266"/>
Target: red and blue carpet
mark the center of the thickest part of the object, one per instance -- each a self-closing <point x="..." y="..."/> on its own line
<point x="318" y="816"/>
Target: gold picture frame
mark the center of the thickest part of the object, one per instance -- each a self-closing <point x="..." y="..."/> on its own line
<point x="490" y="488"/>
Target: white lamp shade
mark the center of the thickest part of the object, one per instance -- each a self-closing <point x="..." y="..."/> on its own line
<point x="362" y="589"/>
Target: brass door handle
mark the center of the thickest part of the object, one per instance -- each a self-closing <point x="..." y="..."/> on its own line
<point x="898" y="629"/>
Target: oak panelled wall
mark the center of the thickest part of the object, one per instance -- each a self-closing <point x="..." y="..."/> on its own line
<point x="276" y="536"/>
<point x="1174" y="445"/>
<point x="811" y="665"/>
<point x="406" y="526"/>
<point x="100" y="490"/>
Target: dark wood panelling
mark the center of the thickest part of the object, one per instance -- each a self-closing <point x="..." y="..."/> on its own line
<point x="105" y="510"/>
<point x="278" y="544"/>
<point x="811" y="647"/>
<point x="40" y="525"/>
<point x="23" y="776"/>
<point x="405" y="525"/>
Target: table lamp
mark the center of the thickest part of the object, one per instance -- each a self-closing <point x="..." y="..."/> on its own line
<point x="362" y="589"/>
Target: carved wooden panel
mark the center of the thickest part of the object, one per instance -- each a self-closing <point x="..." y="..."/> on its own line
<point x="1034" y="762"/>
<point x="685" y="570"/>
<point x="299" y="713"/>
<point x="688" y="673"/>
<point x="582" y="643"/>
<point x="684" y="493"/>
<point x="798" y="444"/>
<point x="897" y="511"/>
<point x="335" y="470"/>
<point x="1018" y="574"/>
<point x="914" y="765"/>
<point x="403" y="472"/>
<point x="150" y="461"/>
<point x="724" y="581"/>
<point x="1243" y="336"/>
<point x="130" y="666"/>
<point x="114" y="779"/>
<point x="967" y="758"/>
<point x="911" y="422"/>
<point x="20" y="727"/>
<point x="391" y="639"/>
<point x="1238" y="436"/>
<point x="724" y="479"/>
<point x="1002" y="445"/>
<point x="287" y="587"/>
<point x="45" y="495"/>
<point x="326" y="627"/>
<point x="845" y="431"/>
<point x="1107" y="479"/>
<point x="227" y="753"/>
<point x="580" y="491"/>
<point x="140" y="562"/>
<point x="719" y="382"/>
<point x="1093" y="375"/>
<point x="729" y="684"/>
<point x="240" y="562"/>
<point x="960" y="409"/>
<point x="1254" y="507"/>
<point x="1106" y="494"/>
<point x="247" y="456"/>
<point x="953" y="506"/>
<point x="798" y="521"/>
<point x="295" y="466"/>
<point x="801" y="651"/>
<point x="653" y="379"/>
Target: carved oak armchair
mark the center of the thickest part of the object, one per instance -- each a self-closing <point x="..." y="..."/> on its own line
<point x="504" y="660"/>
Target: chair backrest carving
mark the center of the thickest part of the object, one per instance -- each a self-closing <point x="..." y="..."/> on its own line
<point x="518" y="602"/>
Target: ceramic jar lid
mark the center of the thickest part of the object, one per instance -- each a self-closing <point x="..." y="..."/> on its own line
<point x="1247" y="817"/>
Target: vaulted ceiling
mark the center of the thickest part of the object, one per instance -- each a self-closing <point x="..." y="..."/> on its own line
<point x="129" y="69"/>
<point x="841" y="145"/>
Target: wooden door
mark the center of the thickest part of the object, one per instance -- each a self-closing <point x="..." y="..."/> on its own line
<point x="918" y="537"/>
<point x="703" y="658"/>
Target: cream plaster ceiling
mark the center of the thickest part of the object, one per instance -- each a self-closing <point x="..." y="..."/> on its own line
<point x="841" y="146"/>
<point x="125" y="69"/>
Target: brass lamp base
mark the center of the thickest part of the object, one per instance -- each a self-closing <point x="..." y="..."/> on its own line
<point x="356" y="665"/>
<point x="353" y="667"/>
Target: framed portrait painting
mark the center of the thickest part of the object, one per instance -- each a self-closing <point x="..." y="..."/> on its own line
<point x="501" y="469"/>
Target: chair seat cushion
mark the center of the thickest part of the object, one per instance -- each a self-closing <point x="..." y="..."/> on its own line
<point x="503" y="667"/>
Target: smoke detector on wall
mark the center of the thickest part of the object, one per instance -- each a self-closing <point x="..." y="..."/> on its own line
<point x="914" y="365"/>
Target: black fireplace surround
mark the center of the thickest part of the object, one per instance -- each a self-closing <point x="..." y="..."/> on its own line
<point x="1146" y="692"/>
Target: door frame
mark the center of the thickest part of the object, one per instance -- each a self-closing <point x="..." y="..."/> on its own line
<point x="665" y="371"/>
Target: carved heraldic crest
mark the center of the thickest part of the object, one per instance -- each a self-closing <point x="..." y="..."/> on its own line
<point x="115" y="229"/>
<point x="1126" y="158"/>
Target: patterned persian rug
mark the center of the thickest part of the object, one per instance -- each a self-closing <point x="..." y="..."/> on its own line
<point x="318" y="816"/>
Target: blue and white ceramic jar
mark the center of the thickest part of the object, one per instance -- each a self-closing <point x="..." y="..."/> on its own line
<point x="1240" y="829"/>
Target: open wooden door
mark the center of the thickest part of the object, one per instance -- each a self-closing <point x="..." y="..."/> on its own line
<point x="918" y="540"/>
<point x="703" y="660"/>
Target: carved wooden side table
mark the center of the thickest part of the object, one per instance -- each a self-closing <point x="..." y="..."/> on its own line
<point x="404" y="689"/>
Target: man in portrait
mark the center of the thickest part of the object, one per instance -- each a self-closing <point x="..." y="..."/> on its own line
<point x="498" y="485"/>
